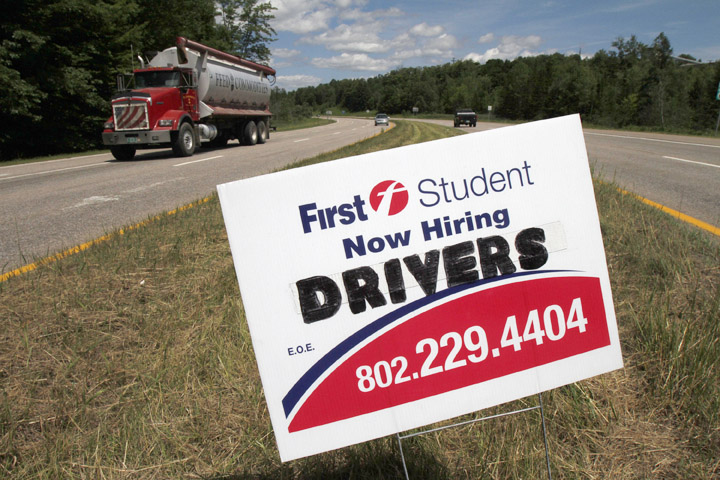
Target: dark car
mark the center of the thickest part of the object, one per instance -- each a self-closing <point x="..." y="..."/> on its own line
<point x="465" y="116"/>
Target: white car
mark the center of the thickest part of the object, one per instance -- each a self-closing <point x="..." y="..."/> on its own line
<point x="382" y="119"/>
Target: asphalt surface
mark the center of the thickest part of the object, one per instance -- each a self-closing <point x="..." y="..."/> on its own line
<point x="48" y="206"/>
<point x="679" y="172"/>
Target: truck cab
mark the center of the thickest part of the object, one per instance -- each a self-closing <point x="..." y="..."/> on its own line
<point x="152" y="113"/>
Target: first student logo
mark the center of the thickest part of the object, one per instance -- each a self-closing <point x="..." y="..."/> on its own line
<point x="389" y="197"/>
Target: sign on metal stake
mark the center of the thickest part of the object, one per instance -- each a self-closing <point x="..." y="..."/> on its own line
<point x="392" y="290"/>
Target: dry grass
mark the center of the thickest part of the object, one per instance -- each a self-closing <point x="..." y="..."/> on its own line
<point x="132" y="360"/>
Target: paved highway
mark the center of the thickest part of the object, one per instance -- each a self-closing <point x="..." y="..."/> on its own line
<point x="48" y="206"/>
<point x="679" y="172"/>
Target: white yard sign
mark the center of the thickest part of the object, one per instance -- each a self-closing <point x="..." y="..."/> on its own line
<point x="391" y="290"/>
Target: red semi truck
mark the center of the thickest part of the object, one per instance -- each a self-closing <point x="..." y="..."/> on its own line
<point x="187" y="95"/>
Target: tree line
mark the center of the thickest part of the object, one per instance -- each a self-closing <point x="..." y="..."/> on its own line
<point x="59" y="59"/>
<point x="632" y="85"/>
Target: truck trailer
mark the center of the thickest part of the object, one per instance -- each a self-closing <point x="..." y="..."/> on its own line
<point x="187" y="95"/>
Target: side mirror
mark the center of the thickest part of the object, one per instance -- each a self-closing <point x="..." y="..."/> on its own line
<point x="120" y="82"/>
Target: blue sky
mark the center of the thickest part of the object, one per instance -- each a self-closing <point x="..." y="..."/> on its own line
<point x="321" y="40"/>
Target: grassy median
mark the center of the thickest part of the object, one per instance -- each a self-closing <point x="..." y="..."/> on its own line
<point x="132" y="359"/>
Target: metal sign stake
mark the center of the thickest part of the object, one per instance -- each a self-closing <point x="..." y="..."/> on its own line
<point x="400" y="438"/>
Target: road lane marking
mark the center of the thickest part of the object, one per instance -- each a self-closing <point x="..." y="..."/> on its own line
<point x="679" y="215"/>
<point x="691" y="161"/>
<point x="653" y="140"/>
<point x="142" y="188"/>
<point x="197" y="161"/>
<point x="53" y="161"/>
<point x="94" y="200"/>
<point x="53" y="171"/>
<point x="301" y="140"/>
<point x="82" y="247"/>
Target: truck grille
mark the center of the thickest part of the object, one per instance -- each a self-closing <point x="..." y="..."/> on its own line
<point x="131" y="116"/>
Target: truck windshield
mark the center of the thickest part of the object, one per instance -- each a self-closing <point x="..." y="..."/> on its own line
<point x="157" y="79"/>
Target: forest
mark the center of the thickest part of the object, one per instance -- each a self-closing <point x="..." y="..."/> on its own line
<point x="59" y="60"/>
<point x="633" y="85"/>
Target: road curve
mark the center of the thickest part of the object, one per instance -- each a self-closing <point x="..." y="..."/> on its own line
<point x="48" y="206"/>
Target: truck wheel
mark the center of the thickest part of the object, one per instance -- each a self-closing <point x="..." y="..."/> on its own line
<point x="184" y="144"/>
<point x="250" y="133"/>
<point x="123" y="152"/>
<point x="261" y="132"/>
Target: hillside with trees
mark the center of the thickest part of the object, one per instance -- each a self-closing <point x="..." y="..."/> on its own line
<point x="59" y="59"/>
<point x="632" y="85"/>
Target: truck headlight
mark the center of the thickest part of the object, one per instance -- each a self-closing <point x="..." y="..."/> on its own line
<point x="165" y="123"/>
<point x="109" y="126"/>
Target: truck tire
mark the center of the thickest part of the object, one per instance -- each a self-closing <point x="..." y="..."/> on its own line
<point x="250" y="133"/>
<point x="123" y="152"/>
<point x="184" y="144"/>
<point x="262" y="131"/>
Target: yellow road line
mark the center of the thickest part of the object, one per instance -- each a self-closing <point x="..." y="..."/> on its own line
<point x="82" y="247"/>
<point x="681" y="216"/>
<point x="79" y="248"/>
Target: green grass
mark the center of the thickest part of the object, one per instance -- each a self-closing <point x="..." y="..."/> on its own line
<point x="133" y="360"/>
<point x="403" y="133"/>
<point x="283" y="126"/>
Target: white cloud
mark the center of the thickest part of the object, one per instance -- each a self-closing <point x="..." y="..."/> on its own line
<point x="301" y="16"/>
<point x="435" y="49"/>
<point x="305" y="16"/>
<point x="371" y="16"/>
<point x="360" y="38"/>
<point x="285" y="53"/>
<point x="355" y="61"/>
<point x="444" y="43"/>
<point x="487" y="38"/>
<point x="510" y="47"/>
<point x="425" y="30"/>
<point x="293" y="82"/>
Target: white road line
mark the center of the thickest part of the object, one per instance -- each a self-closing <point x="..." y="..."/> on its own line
<point x="301" y="140"/>
<point x="94" y="200"/>
<point x="54" y="171"/>
<point x="53" y="161"/>
<point x="653" y="140"/>
<point x="691" y="161"/>
<point x="197" y="161"/>
<point x="337" y="133"/>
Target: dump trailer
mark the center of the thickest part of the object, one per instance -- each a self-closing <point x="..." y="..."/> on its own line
<point x="187" y="95"/>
